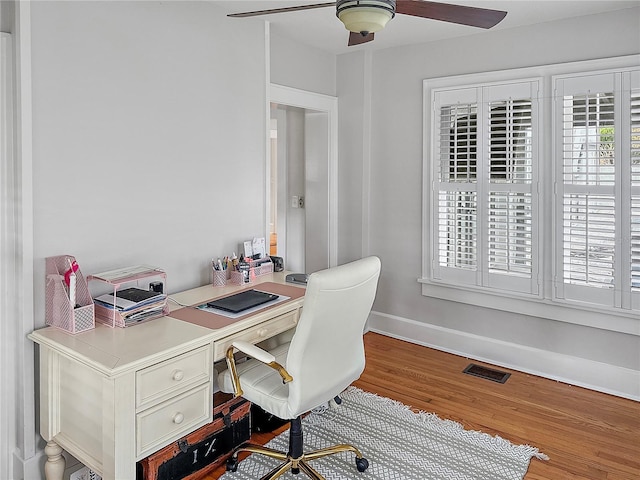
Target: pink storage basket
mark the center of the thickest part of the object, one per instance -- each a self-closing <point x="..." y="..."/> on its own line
<point x="256" y="269"/>
<point x="58" y="309"/>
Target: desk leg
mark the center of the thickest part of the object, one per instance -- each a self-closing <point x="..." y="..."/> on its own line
<point x="54" y="466"/>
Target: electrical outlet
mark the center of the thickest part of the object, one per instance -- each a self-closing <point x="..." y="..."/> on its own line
<point x="82" y="474"/>
<point x="300" y="202"/>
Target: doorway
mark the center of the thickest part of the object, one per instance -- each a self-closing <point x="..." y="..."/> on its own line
<point x="302" y="186"/>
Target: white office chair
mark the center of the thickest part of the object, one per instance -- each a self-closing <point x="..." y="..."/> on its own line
<point x="325" y="355"/>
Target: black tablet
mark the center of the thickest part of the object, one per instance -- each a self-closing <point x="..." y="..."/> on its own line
<point x="242" y="301"/>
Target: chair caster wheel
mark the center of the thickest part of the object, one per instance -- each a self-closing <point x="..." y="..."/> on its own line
<point x="232" y="464"/>
<point x="362" y="464"/>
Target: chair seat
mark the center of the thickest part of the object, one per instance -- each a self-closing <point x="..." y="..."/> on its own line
<point x="262" y="385"/>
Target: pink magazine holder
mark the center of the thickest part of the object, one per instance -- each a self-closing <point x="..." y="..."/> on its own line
<point x="58" y="309"/>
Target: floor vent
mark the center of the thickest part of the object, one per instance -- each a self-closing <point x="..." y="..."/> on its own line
<point x="487" y="373"/>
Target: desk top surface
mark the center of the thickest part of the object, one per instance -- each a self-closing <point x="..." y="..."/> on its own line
<point x="116" y="350"/>
<point x="219" y="321"/>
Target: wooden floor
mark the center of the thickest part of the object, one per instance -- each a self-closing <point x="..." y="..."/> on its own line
<point x="586" y="434"/>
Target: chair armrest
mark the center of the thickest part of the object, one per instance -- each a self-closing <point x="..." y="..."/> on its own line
<point x="254" y="352"/>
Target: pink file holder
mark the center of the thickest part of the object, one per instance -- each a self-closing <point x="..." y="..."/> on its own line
<point x="59" y="312"/>
<point x="234" y="277"/>
<point x="255" y="270"/>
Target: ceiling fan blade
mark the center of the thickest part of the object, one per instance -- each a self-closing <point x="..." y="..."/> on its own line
<point x="446" y="12"/>
<point x="281" y="10"/>
<point x="356" y="38"/>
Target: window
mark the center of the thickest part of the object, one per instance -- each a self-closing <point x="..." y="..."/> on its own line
<point x="532" y="198"/>
<point x="486" y="215"/>
<point x="597" y="138"/>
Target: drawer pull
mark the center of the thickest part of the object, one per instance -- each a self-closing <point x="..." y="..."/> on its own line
<point x="178" y="418"/>
<point x="178" y="375"/>
<point x="262" y="332"/>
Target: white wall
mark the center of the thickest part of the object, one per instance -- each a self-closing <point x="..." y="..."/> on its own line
<point x="396" y="187"/>
<point x="148" y="136"/>
<point x="354" y="97"/>
<point x="295" y="65"/>
<point x="316" y="190"/>
<point x="295" y="217"/>
<point x="6" y="17"/>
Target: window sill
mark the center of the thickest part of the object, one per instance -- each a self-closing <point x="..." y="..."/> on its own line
<point x="579" y="314"/>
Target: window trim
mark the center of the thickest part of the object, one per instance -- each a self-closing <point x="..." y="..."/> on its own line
<point x="543" y="306"/>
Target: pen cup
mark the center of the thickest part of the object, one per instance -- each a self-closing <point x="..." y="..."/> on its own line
<point x="219" y="277"/>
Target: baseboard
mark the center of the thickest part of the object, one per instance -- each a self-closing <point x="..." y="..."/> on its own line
<point x="31" y="468"/>
<point x="602" y="377"/>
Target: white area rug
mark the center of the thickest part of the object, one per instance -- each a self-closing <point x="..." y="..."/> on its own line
<point x="399" y="443"/>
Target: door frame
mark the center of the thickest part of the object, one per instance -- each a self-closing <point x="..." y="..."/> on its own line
<point x="294" y="97"/>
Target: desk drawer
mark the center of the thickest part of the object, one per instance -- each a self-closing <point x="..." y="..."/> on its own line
<point x="166" y="379"/>
<point x="257" y="333"/>
<point x="170" y="420"/>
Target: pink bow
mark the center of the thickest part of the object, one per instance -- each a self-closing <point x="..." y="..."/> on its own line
<point x="67" y="274"/>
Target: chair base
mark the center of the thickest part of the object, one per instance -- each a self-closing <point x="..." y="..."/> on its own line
<point x="296" y="460"/>
<point x="298" y="464"/>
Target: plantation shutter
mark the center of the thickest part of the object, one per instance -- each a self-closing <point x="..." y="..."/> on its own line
<point x="485" y="209"/>
<point x="456" y="193"/>
<point x="597" y="189"/>
<point x="634" y="156"/>
<point x="511" y="150"/>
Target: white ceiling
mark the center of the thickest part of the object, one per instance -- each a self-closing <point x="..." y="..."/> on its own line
<point x="321" y="29"/>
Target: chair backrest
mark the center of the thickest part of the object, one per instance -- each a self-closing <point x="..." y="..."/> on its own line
<point x="327" y="351"/>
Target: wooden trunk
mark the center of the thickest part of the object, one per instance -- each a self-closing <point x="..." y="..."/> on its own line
<point x="262" y="421"/>
<point x="195" y="455"/>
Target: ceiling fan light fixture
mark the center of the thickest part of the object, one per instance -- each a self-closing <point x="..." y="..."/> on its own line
<point x="365" y="16"/>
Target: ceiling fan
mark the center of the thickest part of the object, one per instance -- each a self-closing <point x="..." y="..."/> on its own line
<point x="365" y="17"/>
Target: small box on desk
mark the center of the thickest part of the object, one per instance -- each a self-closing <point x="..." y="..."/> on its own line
<point x="197" y="454"/>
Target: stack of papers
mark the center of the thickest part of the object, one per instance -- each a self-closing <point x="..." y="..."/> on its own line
<point x="133" y="304"/>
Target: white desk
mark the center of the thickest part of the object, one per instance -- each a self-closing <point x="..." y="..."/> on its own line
<point x="112" y="396"/>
